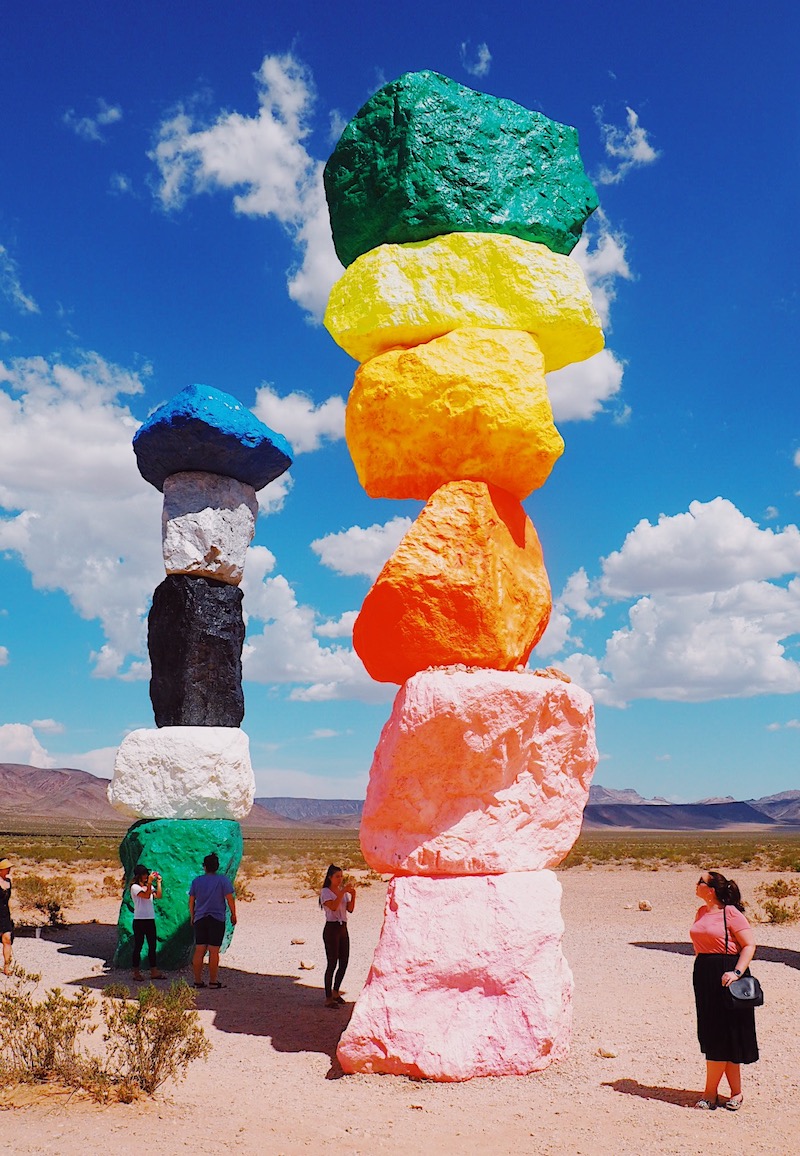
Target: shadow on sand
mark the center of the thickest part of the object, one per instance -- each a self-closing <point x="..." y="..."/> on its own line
<point x="280" y="1007"/>
<point x="782" y="955"/>
<point x="679" y="1097"/>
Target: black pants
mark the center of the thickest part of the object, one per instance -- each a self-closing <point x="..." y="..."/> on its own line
<point x="337" y="951"/>
<point x="144" y="929"/>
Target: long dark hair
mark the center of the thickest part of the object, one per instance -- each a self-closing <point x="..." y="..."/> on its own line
<point x="726" y="891"/>
<point x="332" y="869"/>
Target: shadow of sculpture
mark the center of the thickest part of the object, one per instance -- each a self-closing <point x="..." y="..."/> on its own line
<point x="764" y="954"/>
<point x="679" y="1097"/>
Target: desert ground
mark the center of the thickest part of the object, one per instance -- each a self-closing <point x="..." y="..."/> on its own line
<point x="272" y="1084"/>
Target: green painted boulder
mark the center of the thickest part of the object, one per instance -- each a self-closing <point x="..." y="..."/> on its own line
<point x="426" y="155"/>
<point x="176" y="849"/>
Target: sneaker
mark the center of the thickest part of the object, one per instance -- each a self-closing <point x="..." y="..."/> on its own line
<point x="706" y="1105"/>
<point x="735" y="1103"/>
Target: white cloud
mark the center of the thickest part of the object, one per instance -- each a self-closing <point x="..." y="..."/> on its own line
<point x="476" y="63"/>
<point x="3" y="656"/>
<point x="711" y="548"/>
<point x="603" y="259"/>
<point x="709" y="618"/>
<point x="266" y="155"/>
<point x="797" y="458"/>
<point x="99" y="761"/>
<point x="628" y="148"/>
<point x="341" y="627"/>
<point x="302" y="423"/>
<point x="89" y="127"/>
<point x="48" y="725"/>
<point x="77" y="512"/>
<point x="10" y="285"/>
<point x="361" y="550"/>
<point x="323" y="733"/>
<point x="771" y="513"/>
<point x="119" y="184"/>
<point x="277" y="783"/>
<point x="578" y="392"/>
<point x="287" y="650"/>
<point x="18" y="744"/>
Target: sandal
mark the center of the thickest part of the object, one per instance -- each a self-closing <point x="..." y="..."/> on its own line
<point x="201" y="984"/>
<point x="706" y="1105"/>
<point x="735" y="1103"/>
<point x="217" y="985"/>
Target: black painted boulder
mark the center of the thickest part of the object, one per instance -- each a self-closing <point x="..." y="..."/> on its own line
<point x="195" y="633"/>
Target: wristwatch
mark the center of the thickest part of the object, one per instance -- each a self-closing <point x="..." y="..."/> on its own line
<point x="736" y="972"/>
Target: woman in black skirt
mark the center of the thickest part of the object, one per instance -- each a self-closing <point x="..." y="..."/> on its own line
<point x="724" y="946"/>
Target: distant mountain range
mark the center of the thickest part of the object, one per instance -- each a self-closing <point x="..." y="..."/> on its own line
<point x="66" y="794"/>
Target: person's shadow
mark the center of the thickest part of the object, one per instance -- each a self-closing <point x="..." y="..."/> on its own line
<point x="679" y="1097"/>
<point x="281" y="1007"/>
<point x="764" y="954"/>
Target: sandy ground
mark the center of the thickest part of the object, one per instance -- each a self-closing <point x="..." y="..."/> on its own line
<point x="272" y="1084"/>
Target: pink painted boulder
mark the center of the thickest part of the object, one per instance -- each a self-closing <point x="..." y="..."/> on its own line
<point x="468" y="979"/>
<point x="479" y="771"/>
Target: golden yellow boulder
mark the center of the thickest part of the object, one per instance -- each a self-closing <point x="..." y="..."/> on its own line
<point x="467" y="584"/>
<point x="402" y="295"/>
<point x="472" y="404"/>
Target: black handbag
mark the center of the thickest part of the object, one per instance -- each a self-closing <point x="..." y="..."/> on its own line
<point x="745" y="992"/>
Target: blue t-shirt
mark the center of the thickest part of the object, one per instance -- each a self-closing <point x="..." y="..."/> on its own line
<point x="209" y="893"/>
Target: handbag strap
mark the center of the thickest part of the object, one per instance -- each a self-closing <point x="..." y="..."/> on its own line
<point x="725" y="921"/>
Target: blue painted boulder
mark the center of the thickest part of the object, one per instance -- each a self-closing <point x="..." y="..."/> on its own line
<point x="205" y="429"/>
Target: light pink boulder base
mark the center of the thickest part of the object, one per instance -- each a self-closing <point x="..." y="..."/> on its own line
<point x="468" y="979"/>
<point x="479" y="771"/>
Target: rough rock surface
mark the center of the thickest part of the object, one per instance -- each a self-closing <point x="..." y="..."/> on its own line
<point x="204" y="429"/>
<point x="195" y="633"/>
<point x="479" y="771"/>
<point x="467" y="584"/>
<point x="207" y="524"/>
<point x="468" y="979"/>
<point x="470" y="405"/>
<point x="183" y="773"/>
<point x="403" y="295"/>
<point x="426" y="155"/>
<point x="175" y="848"/>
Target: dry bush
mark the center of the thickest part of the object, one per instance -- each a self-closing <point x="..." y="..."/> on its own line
<point x="38" y="1039"/>
<point x="47" y="896"/>
<point x="244" y="892"/>
<point x="774" y="897"/>
<point x="152" y="1037"/>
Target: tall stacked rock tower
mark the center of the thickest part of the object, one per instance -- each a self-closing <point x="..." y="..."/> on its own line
<point x="189" y="782"/>
<point x="455" y="214"/>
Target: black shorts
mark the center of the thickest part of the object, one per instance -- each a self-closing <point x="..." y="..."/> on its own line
<point x="209" y="932"/>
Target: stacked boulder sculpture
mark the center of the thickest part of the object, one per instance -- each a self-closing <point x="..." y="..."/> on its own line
<point x="455" y="214"/>
<point x="189" y="783"/>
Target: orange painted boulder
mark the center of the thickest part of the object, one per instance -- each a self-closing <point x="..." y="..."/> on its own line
<point x="477" y="772"/>
<point x="472" y="404"/>
<point x="467" y="584"/>
<point x="468" y="979"/>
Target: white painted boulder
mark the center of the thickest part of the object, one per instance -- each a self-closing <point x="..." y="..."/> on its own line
<point x="183" y="773"/>
<point x="479" y="771"/>
<point x="468" y="979"/>
<point x="207" y="524"/>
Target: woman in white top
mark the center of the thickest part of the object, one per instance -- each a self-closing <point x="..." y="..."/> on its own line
<point x="336" y="900"/>
<point x="145" y="888"/>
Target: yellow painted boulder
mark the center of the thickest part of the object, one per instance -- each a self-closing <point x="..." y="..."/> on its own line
<point x="470" y="405"/>
<point x="467" y="584"/>
<point x="402" y="295"/>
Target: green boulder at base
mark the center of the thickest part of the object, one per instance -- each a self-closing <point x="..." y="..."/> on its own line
<point x="426" y="155"/>
<point x="176" y="849"/>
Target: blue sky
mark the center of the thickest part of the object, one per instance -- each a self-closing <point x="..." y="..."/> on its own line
<point x="161" y="223"/>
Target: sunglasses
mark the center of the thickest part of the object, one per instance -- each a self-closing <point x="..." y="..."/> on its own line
<point x="701" y="882"/>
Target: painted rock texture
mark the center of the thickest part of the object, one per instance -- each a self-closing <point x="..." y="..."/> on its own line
<point x="207" y="524"/>
<point x="470" y="405"/>
<point x="403" y="295"/>
<point x="467" y="584"/>
<point x="176" y="848"/>
<point x="477" y="772"/>
<point x="204" y="429"/>
<point x="183" y="773"/>
<point x="468" y="979"/>
<point x="425" y="155"/>
<point x="195" y="633"/>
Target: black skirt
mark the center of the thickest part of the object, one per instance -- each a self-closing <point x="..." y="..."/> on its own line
<point x="725" y="1034"/>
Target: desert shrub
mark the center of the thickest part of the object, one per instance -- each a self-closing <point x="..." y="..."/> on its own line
<point x="244" y="892"/>
<point x="776" y="912"/>
<point x="152" y="1037"/>
<point x="38" y="1039"/>
<point x="780" y="889"/>
<point x="774" y="898"/>
<point x="47" y="896"/>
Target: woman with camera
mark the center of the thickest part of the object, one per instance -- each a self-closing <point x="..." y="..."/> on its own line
<point x="145" y="888"/>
